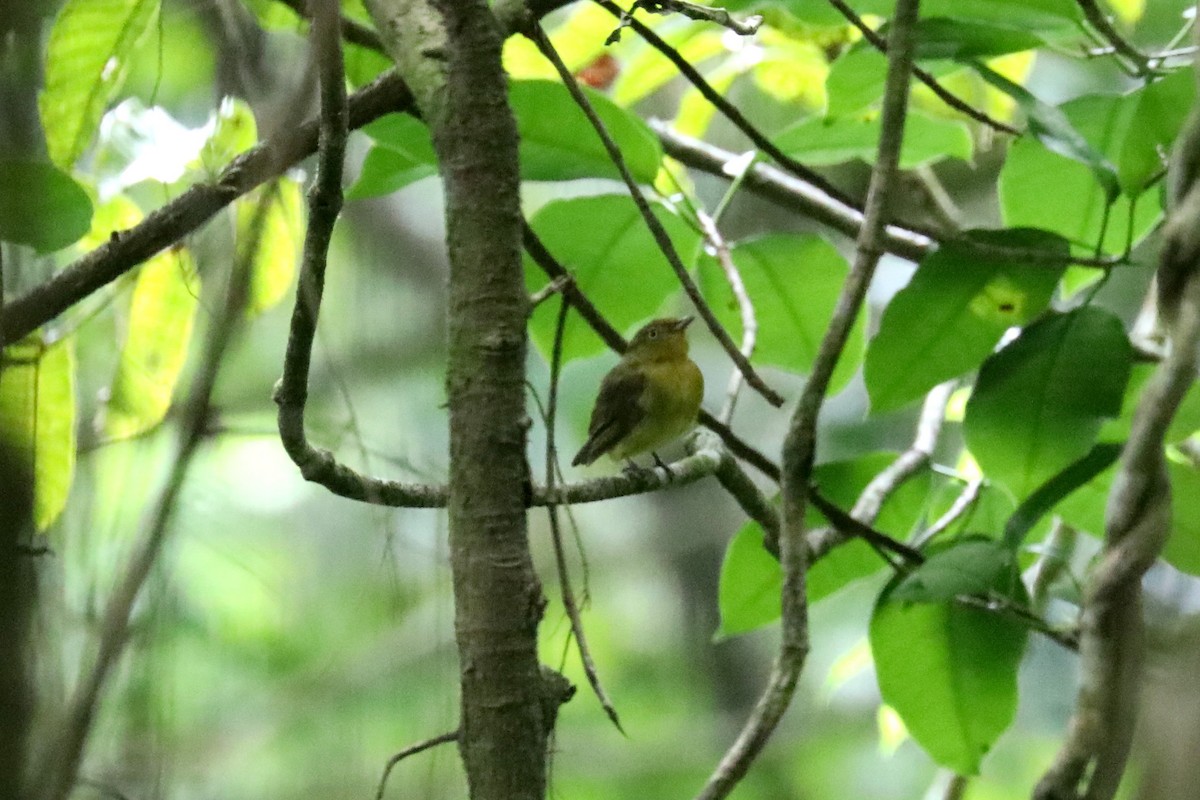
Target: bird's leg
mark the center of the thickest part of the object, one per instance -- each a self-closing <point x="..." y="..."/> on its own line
<point x="660" y="463"/>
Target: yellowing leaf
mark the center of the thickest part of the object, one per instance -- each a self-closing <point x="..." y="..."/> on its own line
<point x="37" y="415"/>
<point x="277" y="243"/>
<point x="87" y="60"/>
<point x="161" y="316"/>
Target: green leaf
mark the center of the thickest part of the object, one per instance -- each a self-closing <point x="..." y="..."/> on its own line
<point x="958" y="39"/>
<point x="559" y="144"/>
<point x="1050" y="493"/>
<point x="234" y="132"/>
<point x="793" y="282"/>
<point x="950" y="671"/>
<point x="1185" y="422"/>
<point x="1182" y="550"/>
<point x="37" y="415"/>
<point x="87" y="60"/>
<point x="1038" y="187"/>
<point x="1153" y="116"/>
<point x="41" y="206"/>
<point x="1042" y="16"/>
<point x="749" y="589"/>
<point x="1054" y="130"/>
<point x="605" y="244"/>
<point x="1039" y="403"/>
<point x="748" y="595"/>
<point x="648" y="70"/>
<point x="402" y="154"/>
<point x="833" y="140"/>
<point x="954" y="310"/>
<point x="856" y="79"/>
<point x="971" y="566"/>
<point x="161" y="315"/>
<point x="279" y="240"/>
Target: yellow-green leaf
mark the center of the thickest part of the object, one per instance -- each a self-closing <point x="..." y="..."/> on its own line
<point x="160" y="327"/>
<point x="277" y="243"/>
<point x="87" y="60"/>
<point x="37" y="414"/>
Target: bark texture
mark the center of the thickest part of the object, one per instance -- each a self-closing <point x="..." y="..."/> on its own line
<point x="498" y="600"/>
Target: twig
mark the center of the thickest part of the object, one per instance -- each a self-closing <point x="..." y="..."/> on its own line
<point x="737" y="286"/>
<point x="656" y="229"/>
<point x="907" y="465"/>
<point x="719" y="16"/>
<point x="59" y="769"/>
<point x="961" y="505"/>
<point x="549" y="290"/>
<point x="800" y="445"/>
<point x="946" y="96"/>
<point x="1110" y="34"/>
<point x="171" y="222"/>
<point x="727" y="109"/>
<point x="412" y="750"/>
<point x="911" y="461"/>
<point x="353" y="31"/>
<point x="560" y="557"/>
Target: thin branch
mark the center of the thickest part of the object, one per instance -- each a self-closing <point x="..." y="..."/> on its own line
<point x="944" y="94"/>
<point x="701" y="13"/>
<point x="961" y="505"/>
<point x="353" y="31"/>
<point x="796" y="195"/>
<point x="560" y="557"/>
<point x="727" y="109"/>
<point x="1104" y="27"/>
<point x="656" y="229"/>
<point x="170" y="223"/>
<point x="737" y="286"/>
<point x="59" y="770"/>
<point x="906" y="466"/>
<point x="324" y="205"/>
<point x="913" y="460"/>
<point x="412" y="750"/>
<point x="800" y="445"/>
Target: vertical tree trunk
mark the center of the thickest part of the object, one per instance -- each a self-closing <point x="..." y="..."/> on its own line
<point x="449" y="51"/>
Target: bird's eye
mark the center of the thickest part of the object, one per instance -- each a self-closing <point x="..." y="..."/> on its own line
<point x="652" y="334"/>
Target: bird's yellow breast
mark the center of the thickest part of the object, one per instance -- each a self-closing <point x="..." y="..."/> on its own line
<point x="669" y="402"/>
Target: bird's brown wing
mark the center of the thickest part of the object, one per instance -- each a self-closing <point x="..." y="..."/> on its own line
<point x="618" y="410"/>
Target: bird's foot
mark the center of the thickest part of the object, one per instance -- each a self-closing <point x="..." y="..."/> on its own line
<point x="658" y="462"/>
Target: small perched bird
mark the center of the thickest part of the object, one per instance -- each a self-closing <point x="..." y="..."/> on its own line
<point x="649" y="398"/>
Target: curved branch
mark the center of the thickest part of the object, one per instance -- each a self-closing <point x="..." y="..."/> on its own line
<point x="1137" y="522"/>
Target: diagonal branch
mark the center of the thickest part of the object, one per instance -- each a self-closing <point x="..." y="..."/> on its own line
<point x="944" y="94"/>
<point x="799" y="448"/>
<point x="656" y="229"/>
<point x="727" y="109"/>
<point x="1103" y="26"/>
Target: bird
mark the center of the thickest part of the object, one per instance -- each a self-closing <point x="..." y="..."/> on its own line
<point x="649" y="398"/>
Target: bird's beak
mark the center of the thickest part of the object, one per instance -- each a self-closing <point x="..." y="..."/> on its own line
<point x="682" y="323"/>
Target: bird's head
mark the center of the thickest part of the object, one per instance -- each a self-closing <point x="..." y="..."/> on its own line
<point x="662" y="339"/>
